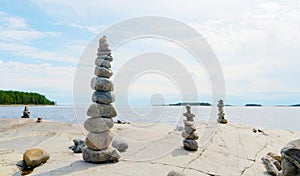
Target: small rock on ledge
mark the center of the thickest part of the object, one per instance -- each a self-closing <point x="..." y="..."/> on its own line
<point x="173" y="173"/>
<point x="78" y="145"/>
<point x="34" y="157"/>
<point x="120" y="145"/>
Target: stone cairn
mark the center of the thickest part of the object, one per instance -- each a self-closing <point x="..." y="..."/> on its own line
<point x="288" y="164"/>
<point x="98" y="141"/>
<point x="190" y="142"/>
<point x="221" y="114"/>
<point x="26" y="113"/>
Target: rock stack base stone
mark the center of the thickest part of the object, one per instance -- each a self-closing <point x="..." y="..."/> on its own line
<point x="190" y="142"/>
<point x="101" y="112"/>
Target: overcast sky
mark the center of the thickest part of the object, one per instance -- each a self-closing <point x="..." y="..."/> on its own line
<point x="257" y="43"/>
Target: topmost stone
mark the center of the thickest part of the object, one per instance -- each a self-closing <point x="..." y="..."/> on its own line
<point x="103" y="49"/>
<point x="103" y="39"/>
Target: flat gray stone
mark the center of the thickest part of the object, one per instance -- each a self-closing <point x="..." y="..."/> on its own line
<point x="189" y="116"/>
<point x="190" y="145"/>
<point x="98" y="124"/>
<point x="103" y="97"/>
<point x="120" y="145"/>
<point x="102" y="63"/>
<point x="291" y="159"/>
<point x="99" y="141"/>
<point x="103" y="72"/>
<point x="103" y="156"/>
<point x="104" y="47"/>
<point x="106" y="57"/>
<point x="102" y="84"/>
<point x="101" y="110"/>
<point x="101" y="53"/>
<point x="190" y="129"/>
<point x="78" y="145"/>
<point x="188" y="123"/>
<point x="192" y="136"/>
<point x="173" y="173"/>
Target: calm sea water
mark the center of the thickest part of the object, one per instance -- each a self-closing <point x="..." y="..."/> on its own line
<point x="285" y="118"/>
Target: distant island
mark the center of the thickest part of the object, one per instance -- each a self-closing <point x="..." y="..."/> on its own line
<point x="191" y="104"/>
<point x="10" y="97"/>
<point x="253" y="105"/>
<point x="209" y="104"/>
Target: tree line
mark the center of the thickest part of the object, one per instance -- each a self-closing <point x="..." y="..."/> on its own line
<point x="17" y="97"/>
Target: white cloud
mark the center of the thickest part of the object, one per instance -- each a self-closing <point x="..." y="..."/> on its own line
<point x="270" y="5"/>
<point x="100" y="11"/>
<point x="54" y="81"/>
<point x="14" y="29"/>
<point x="17" y="38"/>
<point x="258" y="51"/>
<point x="21" y="75"/>
<point x="35" y="53"/>
<point x="93" y="29"/>
<point x="257" y="42"/>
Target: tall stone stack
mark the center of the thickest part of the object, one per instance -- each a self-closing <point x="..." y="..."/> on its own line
<point x="190" y="142"/>
<point x="98" y="141"/>
<point x="221" y="114"/>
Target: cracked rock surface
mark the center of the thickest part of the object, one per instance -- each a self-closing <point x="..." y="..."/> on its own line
<point x="154" y="150"/>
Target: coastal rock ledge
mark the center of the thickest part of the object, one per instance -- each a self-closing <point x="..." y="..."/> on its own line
<point x="232" y="150"/>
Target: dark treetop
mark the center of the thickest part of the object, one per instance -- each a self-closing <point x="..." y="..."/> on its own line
<point x="15" y="97"/>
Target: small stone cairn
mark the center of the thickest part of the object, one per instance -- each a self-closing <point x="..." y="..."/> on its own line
<point x="288" y="164"/>
<point x="221" y="114"/>
<point x="26" y="113"/>
<point x="98" y="141"/>
<point x="190" y="142"/>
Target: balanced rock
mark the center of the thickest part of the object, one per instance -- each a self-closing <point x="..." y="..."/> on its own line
<point x="102" y="84"/>
<point x="102" y="63"/>
<point x="106" y="57"/>
<point x="103" y="72"/>
<point x="96" y="124"/>
<point x="189" y="116"/>
<point x="270" y="167"/>
<point x="275" y="156"/>
<point x="78" y="145"/>
<point x="103" y="97"/>
<point x="120" y="145"/>
<point x="192" y="136"/>
<point x="103" y="156"/>
<point x="101" y="110"/>
<point x="190" y="145"/>
<point x="190" y="129"/>
<point x="101" y="53"/>
<point x="291" y="159"/>
<point x="99" y="141"/>
<point x="222" y="121"/>
<point x="188" y="123"/>
<point x="34" y="157"/>
<point x="26" y="113"/>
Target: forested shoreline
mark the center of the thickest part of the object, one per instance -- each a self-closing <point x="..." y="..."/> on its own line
<point x="10" y="97"/>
